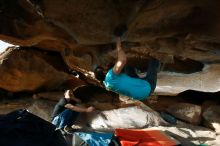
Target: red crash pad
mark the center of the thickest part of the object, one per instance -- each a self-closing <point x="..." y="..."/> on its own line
<point x="132" y="137"/>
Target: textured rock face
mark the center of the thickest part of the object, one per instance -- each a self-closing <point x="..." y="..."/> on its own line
<point x="206" y="80"/>
<point x="187" y="112"/>
<point x="82" y="31"/>
<point x="212" y="118"/>
<point x="42" y="108"/>
<point x="29" y="70"/>
<point x="92" y="22"/>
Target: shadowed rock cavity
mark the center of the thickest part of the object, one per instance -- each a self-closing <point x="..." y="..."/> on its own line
<point x="186" y="66"/>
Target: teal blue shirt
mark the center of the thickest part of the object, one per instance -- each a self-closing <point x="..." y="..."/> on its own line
<point x="123" y="84"/>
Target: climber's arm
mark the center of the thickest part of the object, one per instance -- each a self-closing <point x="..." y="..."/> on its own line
<point x="78" y="108"/>
<point x="122" y="58"/>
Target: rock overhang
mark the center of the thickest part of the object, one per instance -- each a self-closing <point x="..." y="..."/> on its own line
<point x="82" y="31"/>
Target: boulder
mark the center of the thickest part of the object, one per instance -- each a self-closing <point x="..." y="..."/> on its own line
<point x="51" y="22"/>
<point x="211" y="117"/>
<point x="207" y="80"/>
<point x="30" y="70"/>
<point x="207" y="103"/>
<point x="42" y="108"/>
<point x="82" y="31"/>
<point x="9" y="105"/>
<point x="187" y="112"/>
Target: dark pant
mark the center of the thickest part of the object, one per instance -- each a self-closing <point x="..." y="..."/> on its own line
<point x="65" y="118"/>
<point x="151" y="70"/>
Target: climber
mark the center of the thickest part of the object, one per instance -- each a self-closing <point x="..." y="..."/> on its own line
<point x="65" y="111"/>
<point x="132" y="82"/>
